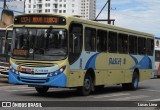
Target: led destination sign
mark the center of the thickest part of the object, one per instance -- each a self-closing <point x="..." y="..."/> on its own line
<point x="19" y="52"/>
<point x="39" y="19"/>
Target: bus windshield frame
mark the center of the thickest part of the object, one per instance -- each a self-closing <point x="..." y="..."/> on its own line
<point x="41" y="44"/>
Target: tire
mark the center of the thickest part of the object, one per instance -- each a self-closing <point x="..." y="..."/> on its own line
<point x="42" y="90"/>
<point x="86" y="89"/>
<point x="134" y="84"/>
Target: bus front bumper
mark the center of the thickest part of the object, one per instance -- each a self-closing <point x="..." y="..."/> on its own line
<point x="54" y="81"/>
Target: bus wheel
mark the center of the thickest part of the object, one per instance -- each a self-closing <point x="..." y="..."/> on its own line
<point x="134" y="84"/>
<point x="87" y="86"/>
<point x="42" y="90"/>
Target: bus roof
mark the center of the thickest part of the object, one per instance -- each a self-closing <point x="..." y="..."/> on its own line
<point x="95" y="23"/>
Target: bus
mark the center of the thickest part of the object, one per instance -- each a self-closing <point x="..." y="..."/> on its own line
<point x="157" y="58"/>
<point x="5" y="36"/>
<point x="52" y="50"/>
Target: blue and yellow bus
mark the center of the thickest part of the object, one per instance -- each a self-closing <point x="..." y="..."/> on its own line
<point x="50" y="50"/>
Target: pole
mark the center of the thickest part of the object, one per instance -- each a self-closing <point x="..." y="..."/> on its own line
<point x="109" y="8"/>
<point x="101" y="10"/>
<point x="4" y="4"/>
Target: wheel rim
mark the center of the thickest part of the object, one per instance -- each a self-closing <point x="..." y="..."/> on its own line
<point x="135" y="82"/>
<point x="87" y="84"/>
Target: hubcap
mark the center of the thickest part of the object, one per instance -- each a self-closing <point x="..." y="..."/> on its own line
<point x="87" y="84"/>
<point x="135" y="83"/>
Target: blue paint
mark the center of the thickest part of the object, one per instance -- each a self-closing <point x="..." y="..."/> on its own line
<point x="91" y="62"/>
<point x="55" y="81"/>
<point x="145" y="63"/>
<point x="135" y="60"/>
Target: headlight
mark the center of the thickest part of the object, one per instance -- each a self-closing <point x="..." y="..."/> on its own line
<point x="16" y="72"/>
<point x="13" y="70"/>
<point x="56" y="73"/>
<point x="59" y="71"/>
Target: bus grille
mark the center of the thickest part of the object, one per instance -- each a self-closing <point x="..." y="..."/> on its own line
<point x="34" y="64"/>
<point x="34" y="73"/>
<point x="34" y="80"/>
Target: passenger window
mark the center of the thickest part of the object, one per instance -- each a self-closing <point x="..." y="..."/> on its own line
<point x="90" y="39"/>
<point x="123" y="43"/>
<point x="150" y="46"/>
<point x="112" y="42"/>
<point x="101" y="41"/>
<point x="75" y="42"/>
<point x="142" y="46"/>
<point x="132" y="44"/>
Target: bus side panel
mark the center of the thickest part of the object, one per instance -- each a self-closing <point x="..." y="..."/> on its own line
<point x="76" y="78"/>
<point x="109" y="68"/>
<point x="79" y="68"/>
<point x="145" y="66"/>
<point x="128" y="76"/>
<point x="145" y="74"/>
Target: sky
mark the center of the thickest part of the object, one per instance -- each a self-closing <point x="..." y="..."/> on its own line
<point x="140" y="15"/>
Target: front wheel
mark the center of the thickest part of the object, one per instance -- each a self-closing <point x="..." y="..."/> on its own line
<point x="41" y="90"/>
<point x="134" y="84"/>
<point x="87" y="86"/>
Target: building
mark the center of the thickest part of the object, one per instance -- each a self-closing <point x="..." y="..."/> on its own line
<point x="84" y="8"/>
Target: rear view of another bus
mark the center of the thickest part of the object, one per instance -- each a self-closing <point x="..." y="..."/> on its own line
<point x="157" y="57"/>
<point x="5" y="46"/>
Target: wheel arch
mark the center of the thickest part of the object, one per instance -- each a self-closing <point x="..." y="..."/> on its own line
<point x="91" y="72"/>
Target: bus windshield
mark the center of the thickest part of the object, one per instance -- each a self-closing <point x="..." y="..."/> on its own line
<point x="39" y="44"/>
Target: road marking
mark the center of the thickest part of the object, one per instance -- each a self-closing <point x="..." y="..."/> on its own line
<point x="19" y="90"/>
<point x="111" y="95"/>
<point x="129" y="98"/>
<point x="12" y="88"/>
<point x="155" y="100"/>
<point x="151" y="90"/>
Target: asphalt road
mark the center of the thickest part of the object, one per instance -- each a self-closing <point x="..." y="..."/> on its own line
<point x="148" y="90"/>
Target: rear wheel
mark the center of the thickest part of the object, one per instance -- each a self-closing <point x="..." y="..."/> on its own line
<point x="134" y="84"/>
<point x="42" y="90"/>
<point x="87" y="86"/>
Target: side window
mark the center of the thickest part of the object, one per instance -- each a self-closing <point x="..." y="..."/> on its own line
<point x="132" y="44"/>
<point x="142" y="46"/>
<point x="9" y="40"/>
<point x="2" y="42"/>
<point x="112" y="42"/>
<point x="150" y="46"/>
<point x="75" y="42"/>
<point x="101" y="41"/>
<point x="123" y="43"/>
<point x="157" y="55"/>
<point x="90" y="39"/>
